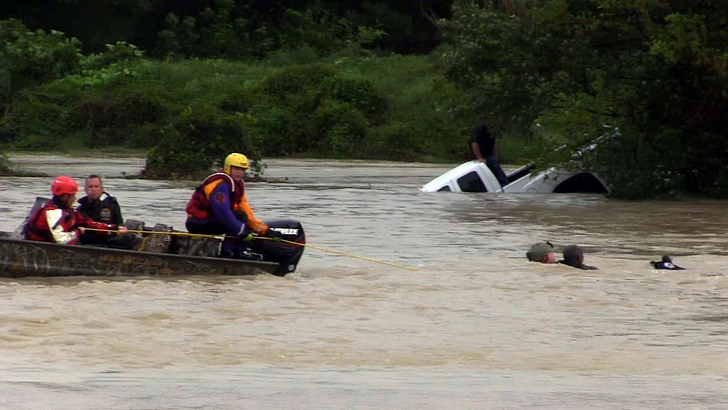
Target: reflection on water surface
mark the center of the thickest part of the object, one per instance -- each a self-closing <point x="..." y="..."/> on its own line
<point x="476" y="327"/>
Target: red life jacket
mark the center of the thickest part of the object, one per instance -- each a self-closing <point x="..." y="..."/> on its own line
<point x="38" y="229"/>
<point x="199" y="205"/>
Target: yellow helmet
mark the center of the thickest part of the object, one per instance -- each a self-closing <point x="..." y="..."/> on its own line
<point x="235" y="160"/>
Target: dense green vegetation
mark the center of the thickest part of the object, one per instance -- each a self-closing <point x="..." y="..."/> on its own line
<point x="377" y="79"/>
<point x="189" y="113"/>
<point x="657" y="70"/>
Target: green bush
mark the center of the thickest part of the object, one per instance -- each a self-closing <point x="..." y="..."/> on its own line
<point x="120" y="52"/>
<point x="102" y="115"/>
<point x="425" y="136"/>
<point x="41" y="122"/>
<point x="28" y="58"/>
<point x="314" y="109"/>
<point x="296" y="81"/>
<point x="307" y="110"/>
<point x="383" y="108"/>
<point x="341" y="130"/>
<point x="360" y="93"/>
<point x="276" y="130"/>
<point x="195" y="140"/>
<point x="110" y="119"/>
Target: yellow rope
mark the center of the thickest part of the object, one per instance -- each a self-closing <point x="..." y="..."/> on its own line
<point x="177" y="233"/>
<point x="318" y="248"/>
<point x="305" y="245"/>
<point x="144" y="243"/>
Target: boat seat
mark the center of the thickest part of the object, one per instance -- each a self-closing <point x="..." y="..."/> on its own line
<point x="191" y="246"/>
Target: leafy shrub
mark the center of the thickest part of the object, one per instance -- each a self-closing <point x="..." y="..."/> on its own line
<point x="30" y="58"/>
<point x="277" y="130"/>
<point x="309" y="109"/>
<point x="384" y="108"/>
<point x="639" y="166"/>
<point x="341" y="128"/>
<point x="42" y="122"/>
<point x="119" y="52"/>
<point x="107" y="117"/>
<point x="195" y="140"/>
<point x="296" y="81"/>
<point x="359" y="92"/>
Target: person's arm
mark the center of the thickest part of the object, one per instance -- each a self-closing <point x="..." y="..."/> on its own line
<point x="476" y="151"/>
<point x="254" y="224"/>
<point x="83" y="222"/>
<point x="116" y="217"/>
<point x="220" y="203"/>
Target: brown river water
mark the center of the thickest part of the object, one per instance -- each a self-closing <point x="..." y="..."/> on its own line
<point x="476" y="327"/>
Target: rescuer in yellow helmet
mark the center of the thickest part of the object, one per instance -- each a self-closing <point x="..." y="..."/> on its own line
<point x="219" y="206"/>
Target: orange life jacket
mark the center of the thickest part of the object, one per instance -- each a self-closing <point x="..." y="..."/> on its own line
<point x="199" y="205"/>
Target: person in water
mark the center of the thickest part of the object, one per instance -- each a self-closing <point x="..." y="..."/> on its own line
<point x="665" y="263"/>
<point x="219" y="206"/>
<point x="541" y="252"/>
<point x="574" y="257"/>
<point x="58" y="222"/>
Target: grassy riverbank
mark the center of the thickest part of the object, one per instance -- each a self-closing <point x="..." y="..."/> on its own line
<point x="183" y="114"/>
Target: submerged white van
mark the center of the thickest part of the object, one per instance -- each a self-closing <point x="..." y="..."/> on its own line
<point x="475" y="176"/>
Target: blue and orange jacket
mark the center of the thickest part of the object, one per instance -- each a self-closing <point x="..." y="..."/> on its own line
<point x="55" y="223"/>
<point x="220" y="197"/>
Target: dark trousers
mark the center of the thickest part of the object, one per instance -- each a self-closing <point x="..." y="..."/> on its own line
<point x="212" y="226"/>
<point x="495" y="168"/>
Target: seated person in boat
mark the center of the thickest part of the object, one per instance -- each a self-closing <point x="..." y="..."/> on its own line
<point x="541" y="252"/>
<point x="102" y="207"/>
<point x="574" y="257"/>
<point x="58" y="222"/>
<point x="219" y="206"/>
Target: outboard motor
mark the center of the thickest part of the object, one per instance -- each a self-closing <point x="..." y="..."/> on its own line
<point x="285" y="254"/>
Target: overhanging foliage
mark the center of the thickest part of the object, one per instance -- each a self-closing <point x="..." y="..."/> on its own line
<point x="657" y="70"/>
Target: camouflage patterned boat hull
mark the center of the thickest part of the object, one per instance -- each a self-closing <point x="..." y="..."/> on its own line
<point x="160" y="251"/>
<point x="21" y="258"/>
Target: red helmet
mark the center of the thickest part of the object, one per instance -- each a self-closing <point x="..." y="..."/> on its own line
<point x="64" y="185"/>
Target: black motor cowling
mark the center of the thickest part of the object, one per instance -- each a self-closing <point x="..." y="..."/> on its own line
<point x="285" y="254"/>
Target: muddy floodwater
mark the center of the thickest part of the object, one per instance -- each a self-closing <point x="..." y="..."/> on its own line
<point x="476" y="326"/>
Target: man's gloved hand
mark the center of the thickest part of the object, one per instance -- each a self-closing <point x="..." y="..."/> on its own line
<point x="248" y="238"/>
<point x="275" y="235"/>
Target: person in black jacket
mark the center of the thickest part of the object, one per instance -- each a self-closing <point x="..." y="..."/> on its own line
<point x="102" y="207"/>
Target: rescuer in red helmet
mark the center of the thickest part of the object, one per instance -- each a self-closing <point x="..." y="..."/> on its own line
<point x="57" y="221"/>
